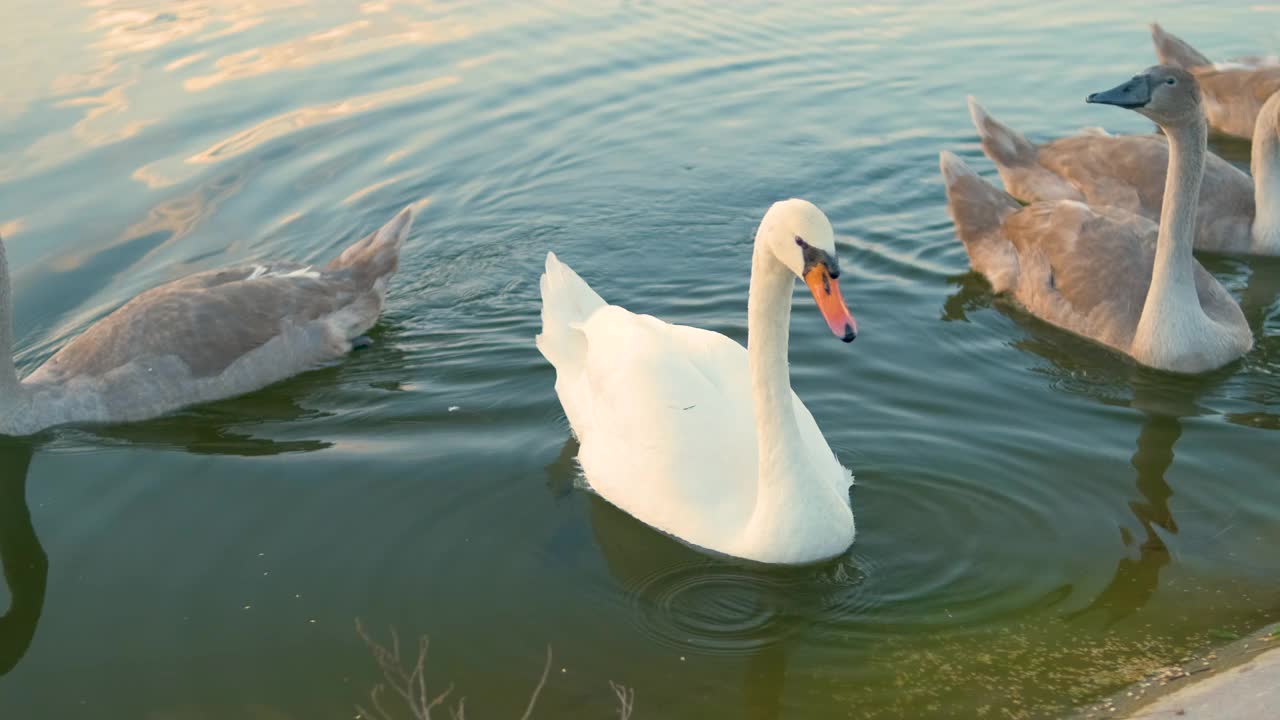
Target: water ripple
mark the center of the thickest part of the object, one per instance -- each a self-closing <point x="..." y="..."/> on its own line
<point x="718" y="608"/>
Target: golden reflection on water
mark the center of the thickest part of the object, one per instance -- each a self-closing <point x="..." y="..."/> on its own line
<point x="305" y="117"/>
<point x="111" y="91"/>
<point x="185" y="61"/>
<point x="153" y="176"/>
<point x="124" y="28"/>
<point x="172" y="219"/>
<point x="98" y="127"/>
<point x="9" y="228"/>
<point x="366" y="190"/>
<point x="341" y="43"/>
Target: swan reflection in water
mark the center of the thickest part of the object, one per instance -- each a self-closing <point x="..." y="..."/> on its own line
<point x="1136" y="581"/>
<point x="26" y="567"/>
<point x="706" y="605"/>
<point x="1259" y="304"/>
<point x="1162" y="399"/>
<point x="230" y="427"/>
<point x="225" y="428"/>
<point x="693" y="603"/>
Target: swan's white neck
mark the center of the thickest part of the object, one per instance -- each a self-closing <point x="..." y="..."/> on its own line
<point x="1264" y="163"/>
<point x="782" y="463"/>
<point x="1172" y="322"/>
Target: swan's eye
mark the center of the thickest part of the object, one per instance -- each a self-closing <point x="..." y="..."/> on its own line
<point x="800" y="241"/>
<point x="1171" y="81"/>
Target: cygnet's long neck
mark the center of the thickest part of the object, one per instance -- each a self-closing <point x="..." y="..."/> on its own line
<point x="1264" y="163"/>
<point x="8" y="374"/>
<point x="768" y="326"/>
<point x="1172" y="300"/>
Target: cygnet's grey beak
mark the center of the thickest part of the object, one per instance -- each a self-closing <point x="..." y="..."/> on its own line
<point x="1133" y="94"/>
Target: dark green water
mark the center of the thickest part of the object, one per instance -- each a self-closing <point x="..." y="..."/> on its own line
<point x="1039" y="522"/>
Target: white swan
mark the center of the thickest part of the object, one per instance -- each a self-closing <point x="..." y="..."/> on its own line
<point x="1105" y="273"/>
<point x="1235" y="214"/>
<point x="1234" y="91"/>
<point x="203" y="337"/>
<point x="694" y="435"/>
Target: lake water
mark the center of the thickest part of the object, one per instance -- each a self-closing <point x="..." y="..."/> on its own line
<point x="1039" y="521"/>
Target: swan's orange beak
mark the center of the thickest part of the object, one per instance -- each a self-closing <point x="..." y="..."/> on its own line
<point x="826" y="291"/>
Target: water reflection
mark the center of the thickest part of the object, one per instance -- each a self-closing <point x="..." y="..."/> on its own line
<point x="213" y="430"/>
<point x="1260" y="293"/>
<point x="694" y="603"/>
<point x="1163" y="399"/>
<point x="763" y="685"/>
<point x="224" y="428"/>
<point x="1084" y="368"/>
<point x="686" y="600"/>
<point x="973" y="292"/>
<point x="563" y="472"/>
<point x="1260" y="420"/>
<point x="26" y="567"/>
<point x="343" y="43"/>
<point x="1136" y="581"/>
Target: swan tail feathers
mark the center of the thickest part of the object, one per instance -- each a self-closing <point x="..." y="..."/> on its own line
<point x="1004" y="145"/>
<point x="1017" y="160"/>
<point x="979" y="210"/>
<point x="567" y="302"/>
<point x="375" y="257"/>
<point x="1173" y="50"/>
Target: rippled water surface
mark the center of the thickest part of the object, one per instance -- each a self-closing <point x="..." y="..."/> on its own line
<point x="1039" y="522"/>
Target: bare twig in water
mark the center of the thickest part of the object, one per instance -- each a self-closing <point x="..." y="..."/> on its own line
<point x="546" y="668"/>
<point x="411" y="685"/>
<point x="626" y="699"/>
